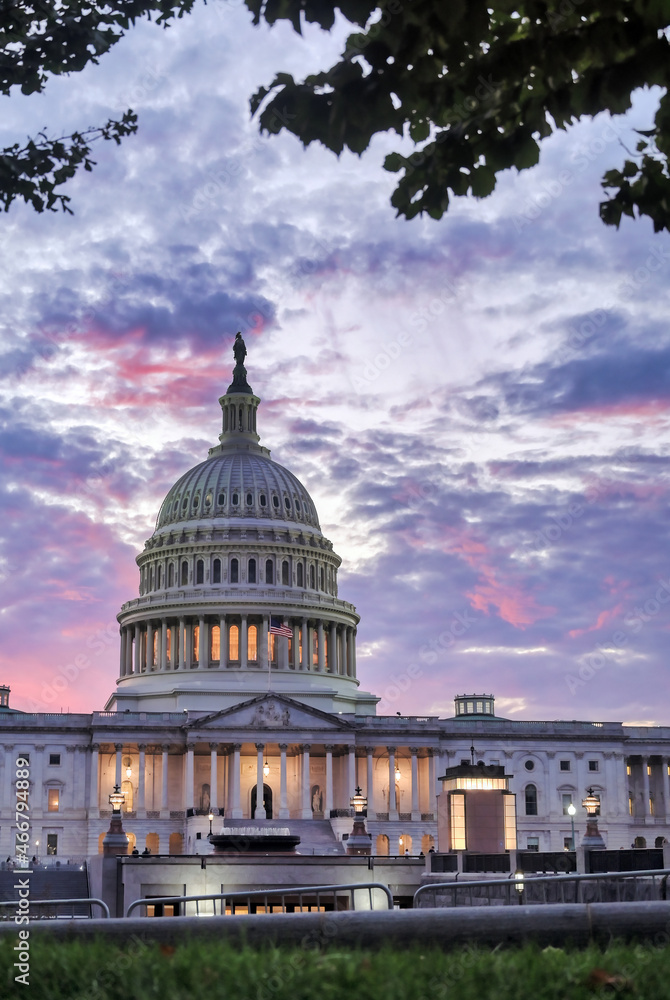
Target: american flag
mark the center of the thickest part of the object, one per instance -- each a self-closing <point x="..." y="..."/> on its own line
<point x="277" y="627"/>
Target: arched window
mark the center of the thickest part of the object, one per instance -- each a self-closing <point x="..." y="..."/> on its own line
<point x="252" y="571"/>
<point x="382" y="846"/>
<point x="184" y="573"/>
<point x="159" y="577"/>
<point x="200" y="571"/>
<point x="234" y="642"/>
<point x="322" y="578"/>
<point x="235" y="499"/>
<point x="252" y="643"/>
<point x="264" y="501"/>
<point x="284" y="573"/>
<point x="250" y="499"/>
<point x="300" y="575"/>
<point x="234" y="571"/>
<point x="275" y="502"/>
<point x="287" y="503"/>
<point x="221" y="499"/>
<point x="171" y="575"/>
<point x="208" y="500"/>
<point x="312" y="579"/>
<point x="216" y="571"/>
<point x="531" y="800"/>
<point x="269" y="571"/>
<point x="215" y="643"/>
<point x="151" y="578"/>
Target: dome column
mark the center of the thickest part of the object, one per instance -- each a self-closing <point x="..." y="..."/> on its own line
<point x="353" y="652"/>
<point x="305" y="645"/>
<point x="203" y="643"/>
<point x="263" y="645"/>
<point x="296" y="646"/>
<point x="322" y="648"/>
<point x="332" y="648"/>
<point x="180" y="644"/>
<point x="138" y="649"/>
<point x="350" y="652"/>
<point x="122" y="652"/>
<point x="129" y="652"/>
<point x="163" y="659"/>
<point x="188" y="644"/>
<point x="223" y="642"/>
<point x="150" y="647"/>
<point x="243" y="644"/>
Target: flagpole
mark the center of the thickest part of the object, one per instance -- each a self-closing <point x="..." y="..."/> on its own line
<point x="269" y="658"/>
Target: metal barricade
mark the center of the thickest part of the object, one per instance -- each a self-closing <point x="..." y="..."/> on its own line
<point x="54" y="904"/>
<point x="291" y="898"/>
<point x="607" y="887"/>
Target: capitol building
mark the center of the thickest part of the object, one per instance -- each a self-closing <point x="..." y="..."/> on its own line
<point x="238" y="697"/>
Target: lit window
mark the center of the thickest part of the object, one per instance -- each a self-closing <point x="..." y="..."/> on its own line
<point x="52" y="844"/>
<point x="649" y="770"/>
<point x="630" y="804"/>
<point x="284" y="573"/>
<point x="216" y="571"/>
<point x="273" y="647"/>
<point x="208" y="500"/>
<point x="564" y="765"/>
<point x="215" y="643"/>
<point x="315" y="648"/>
<point x="200" y="571"/>
<point x="168" y="650"/>
<point x="470" y="707"/>
<point x="53" y="799"/>
<point x="457" y="810"/>
<point x="234" y="642"/>
<point x="234" y="571"/>
<point x="252" y="647"/>
<point x="628" y="769"/>
<point x="594" y="765"/>
<point x="54" y="759"/>
<point x="480" y="707"/>
<point x="252" y="571"/>
<point x="269" y="571"/>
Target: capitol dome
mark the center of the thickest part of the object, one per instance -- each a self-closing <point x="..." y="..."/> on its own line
<point x="238" y="587"/>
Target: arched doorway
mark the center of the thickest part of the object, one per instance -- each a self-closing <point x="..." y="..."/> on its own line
<point x="382" y="845"/>
<point x="267" y="800"/>
<point x="176" y="844"/>
<point x="427" y="841"/>
<point x="404" y="844"/>
<point x="153" y="842"/>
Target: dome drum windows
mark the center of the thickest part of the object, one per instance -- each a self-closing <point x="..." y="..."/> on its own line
<point x="312" y="577"/>
<point x="234" y="570"/>
<point x="300" y="575"/>
<point x="184" y="573"/>
<point x="285" y="573"/>
<point x="216" y="571"/>
<point x="221" y="499"/>
<point x="200" y="571"/>
<point x="269" y="571"/>
<point x="275" y="502"/>
<point x="171" y="575"/>
<point x="251" y="571"/>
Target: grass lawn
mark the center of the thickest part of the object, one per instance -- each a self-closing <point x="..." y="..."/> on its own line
<point x="206" y="971"/>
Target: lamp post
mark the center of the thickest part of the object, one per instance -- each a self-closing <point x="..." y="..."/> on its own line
<point x="593" y="837"/>
<point x="115" y="841"/>
<point x="210" y="818"/>
<point x="571" y="814"/>
<point x="359" y="841"/>
<point x="519" y="885"/>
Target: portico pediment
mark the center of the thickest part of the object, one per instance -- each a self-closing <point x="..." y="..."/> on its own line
<point x="271" y="712"/>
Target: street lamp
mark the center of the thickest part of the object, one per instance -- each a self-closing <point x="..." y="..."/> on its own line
<point x="115" y="841"/>
<point x="210" y="818"/>
<point x="116" y="799"/>
<point x="571" y="814"/>
<point x="398" y="775"/>
<point x="519" y="884"/>
<point x="359" y="841"/>
<point x="593" y="838"/>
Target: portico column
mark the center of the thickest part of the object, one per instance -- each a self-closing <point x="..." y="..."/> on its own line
<point x="150" y="647"/>
<point x="416" y="815"/>
<point x="93" y="792"/>
<point x="141" y="783"/>
<point x="306" y="797"/>
<point x="283" y="801"/>
<point x="180" y="644"/>
<point x="237" y="807"/>
<point x="393" y="808"/>
<point x="665" y="761"/>
<point x="117" y="772"/>
<point x="296" y="646"/>
<point x="622" y="782"/>
<point x="163" y="660"/>
<point x="164" y="807"/>
<point x="305" y="645"/>
<point x="351" y="772"/>
<point x="332" y="648"/>
<point x="203" y="644"/>
<point x="190" y="777"/>
<point x="260" y="805"/>
<point x="369" y="787"/>
<point x="432" y="782"/>
<point x="138" y="649"/>
<point x="243" y="644"/>
<point x="329" y="782"/>
<point x="213" y="777"/>
<point x="263" y="649"/>
<point x="322" y="648"/>
<point x="223" y="642"/>
<point x="645" y="788"/>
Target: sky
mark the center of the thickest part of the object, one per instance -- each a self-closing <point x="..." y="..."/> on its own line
<point x="477" y="405"/>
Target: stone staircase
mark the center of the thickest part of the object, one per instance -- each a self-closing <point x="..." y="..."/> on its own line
<point x="47" y="883"/>
<point x="316" y="835"/>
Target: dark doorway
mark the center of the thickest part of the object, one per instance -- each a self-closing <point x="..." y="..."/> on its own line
<point x="267" y="801"/>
